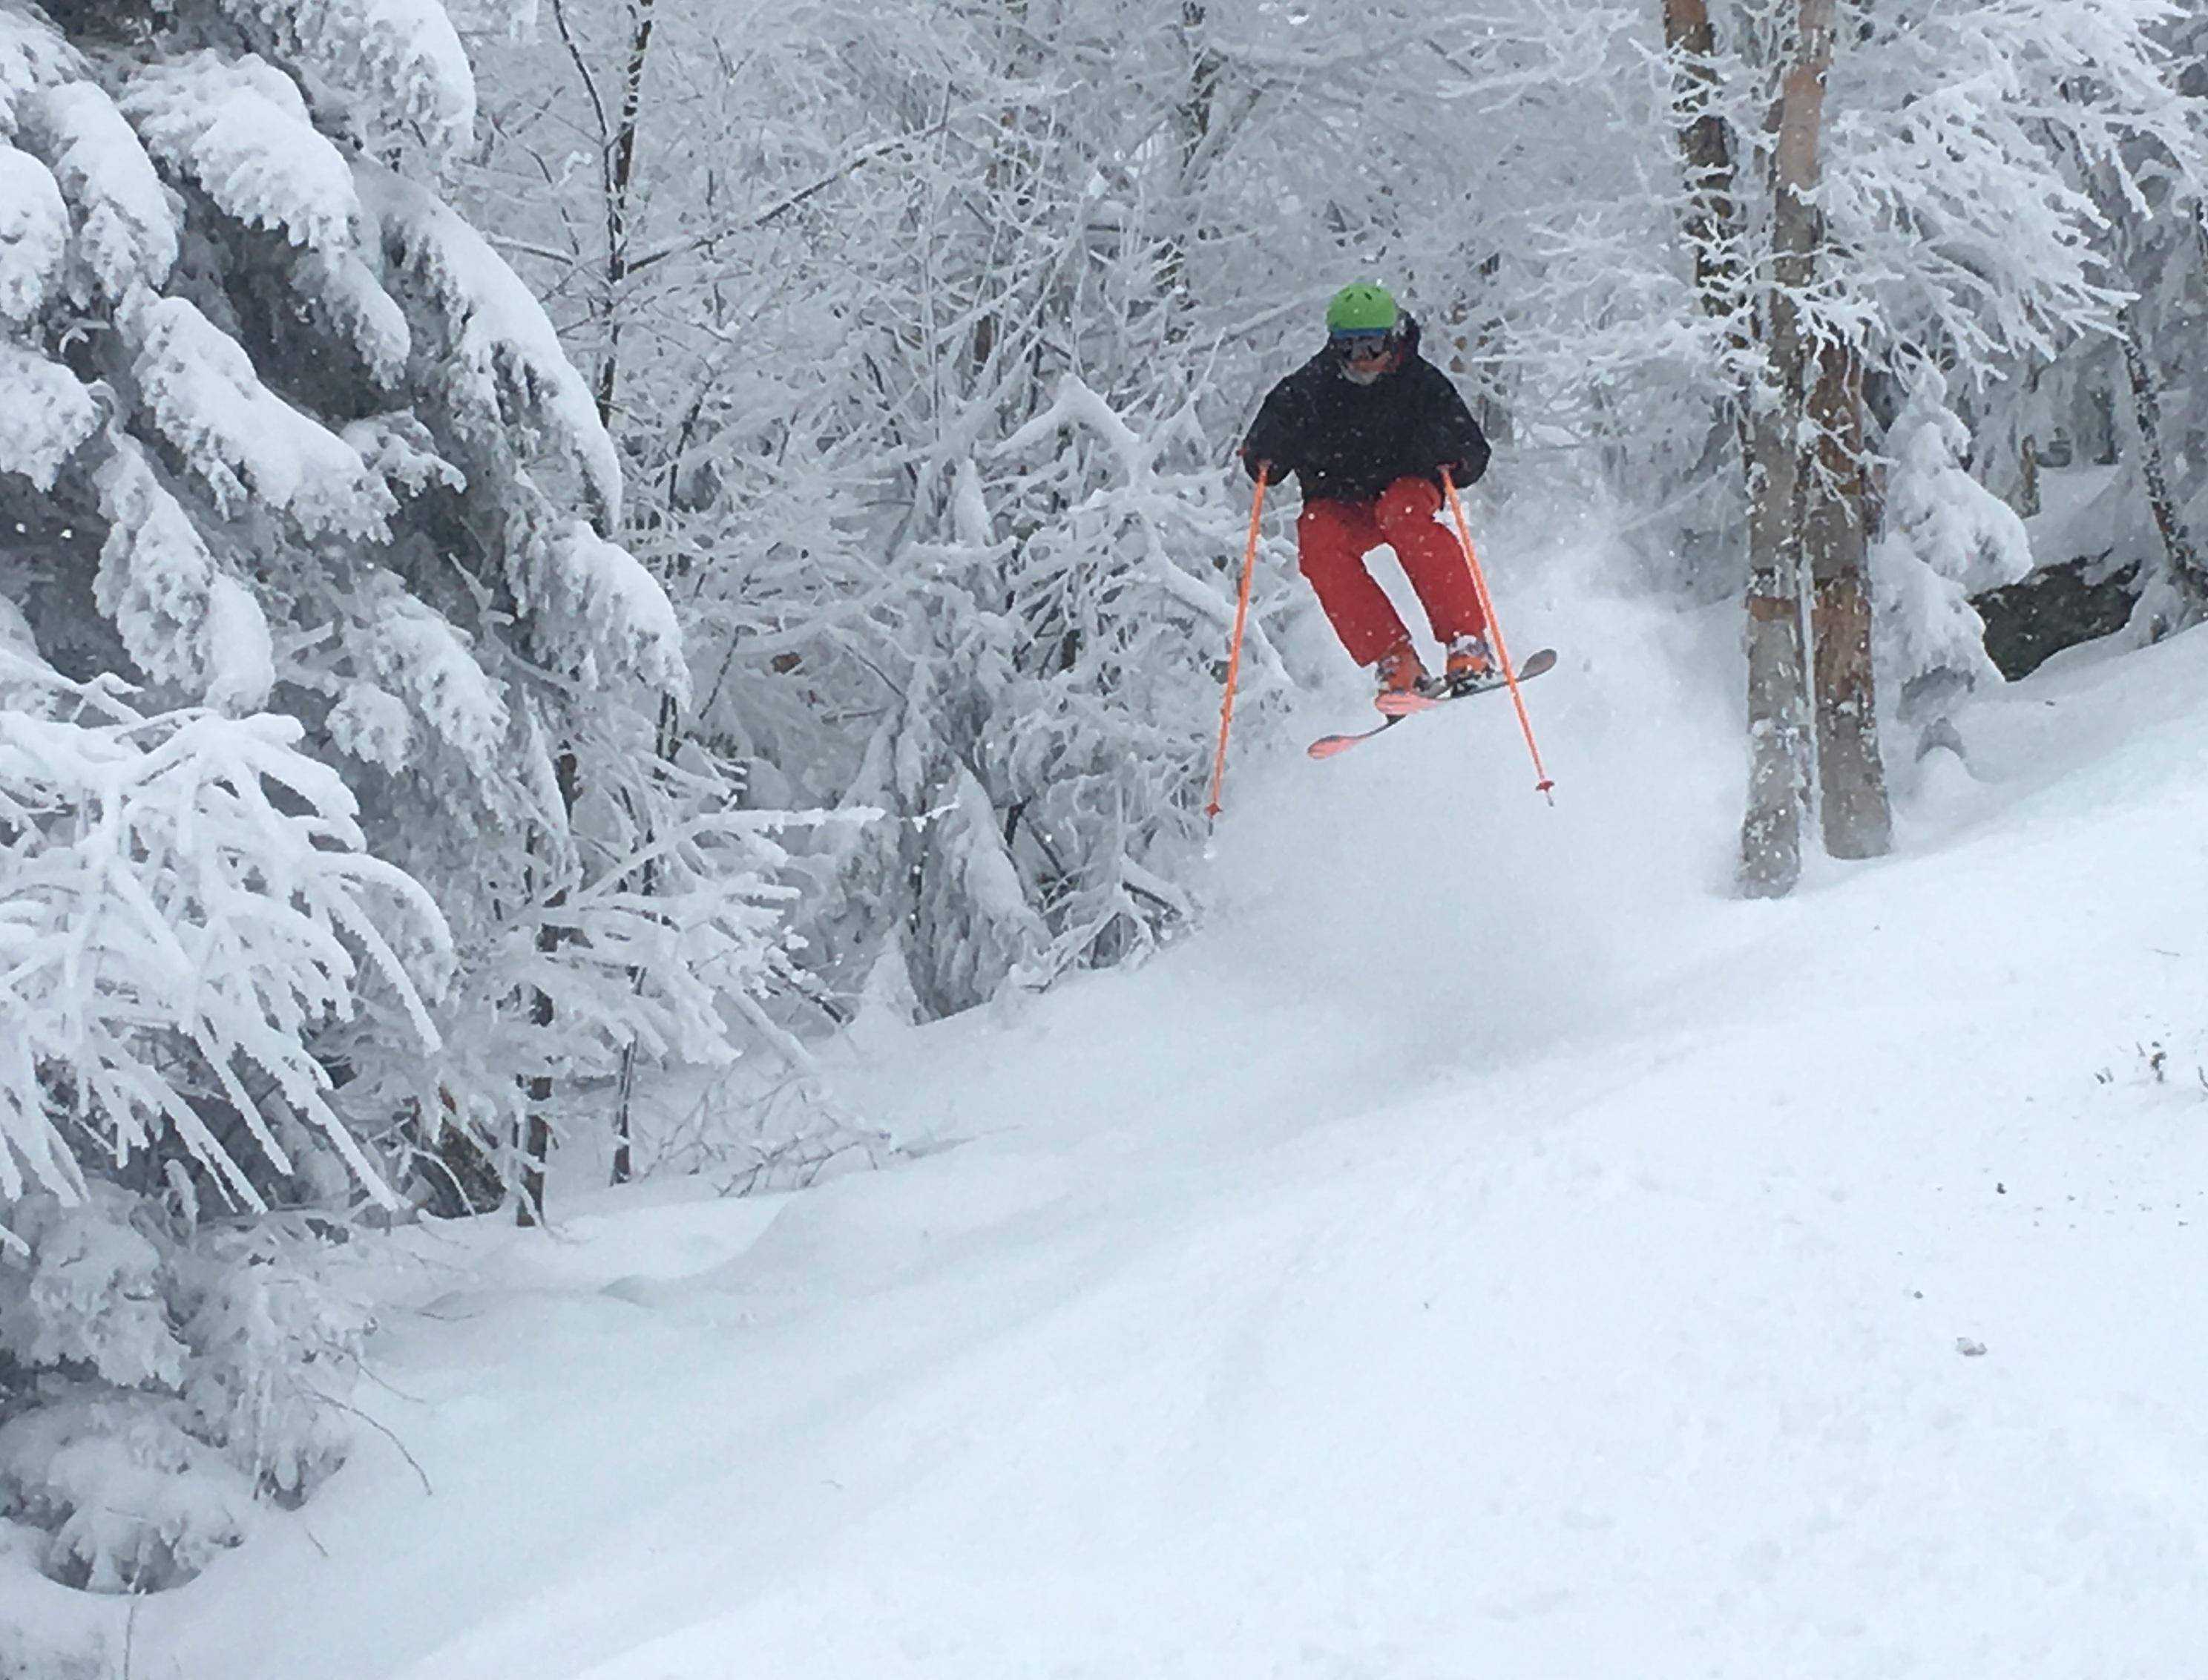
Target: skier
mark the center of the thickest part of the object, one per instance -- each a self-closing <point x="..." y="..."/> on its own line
<point x="1368" y="425"/>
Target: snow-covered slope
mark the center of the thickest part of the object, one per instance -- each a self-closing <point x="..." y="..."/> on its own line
<point x="1489" y="1249"/>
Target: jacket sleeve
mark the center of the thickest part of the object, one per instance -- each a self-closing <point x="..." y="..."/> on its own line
<point x="1450" y="436"/>
<point x="1278" y="435"/>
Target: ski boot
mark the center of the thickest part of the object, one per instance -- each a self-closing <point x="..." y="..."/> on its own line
<point x="1400" y="674"/>
<point x="1471" y="666"/>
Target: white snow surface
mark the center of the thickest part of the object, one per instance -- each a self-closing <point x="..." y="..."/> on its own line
<point x="1488" y="1248"/>
<point x="46" y="414"/>
<point x="242" y="129"/>
<point x="34" y="233"/>
<point x="32" y="55"/>
<point x="130" y="235"/>
<point x="241" y="652"/>
<point x="247" y="443"/>
<point x="405" y="54"/>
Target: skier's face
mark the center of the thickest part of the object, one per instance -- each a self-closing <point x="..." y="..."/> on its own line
<point x="1364" y="355"/>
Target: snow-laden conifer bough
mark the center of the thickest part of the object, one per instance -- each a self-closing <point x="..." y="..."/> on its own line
<point x="332" y="833"/>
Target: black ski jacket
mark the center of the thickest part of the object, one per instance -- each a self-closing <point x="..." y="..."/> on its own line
<point x="1348" y="442"/>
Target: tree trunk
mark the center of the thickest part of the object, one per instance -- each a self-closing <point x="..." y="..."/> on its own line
<point x="2183" y="559"/>
<point x="1205" y="65"/>
<point x="1711" y="224"/>
<point x="618" y="141"/>
<point x="1706" y="144"/>
<point x="1192" y="123"/>
<point x="624" y="1164"/>
<point x="537" y="1128"/>
<point x="621" y="181"/>
<point x="1771" y="833"/>
<point x="617" y="138"/>
<point x="1850" y="779"/>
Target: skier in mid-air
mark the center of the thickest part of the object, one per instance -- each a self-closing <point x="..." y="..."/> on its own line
<point x="1368" y="426"/>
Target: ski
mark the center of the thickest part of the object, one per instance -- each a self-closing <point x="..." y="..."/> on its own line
<point x="1326" y="746"/>
<point x="1410" y="705"/>
<point x="1438" y="693"/>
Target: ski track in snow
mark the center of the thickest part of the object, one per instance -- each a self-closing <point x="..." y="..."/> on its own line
<point x="1490" y="1249"/>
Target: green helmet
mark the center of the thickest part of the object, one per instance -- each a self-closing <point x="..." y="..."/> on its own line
<point x="1360" y="308"/>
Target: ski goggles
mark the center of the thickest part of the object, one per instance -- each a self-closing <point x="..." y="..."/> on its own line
<point x="1363" y="344"/>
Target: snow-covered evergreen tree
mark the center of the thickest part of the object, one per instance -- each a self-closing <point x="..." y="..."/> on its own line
<point x="848" y="282"/>
<point x="330" y="814"/>
<point x="1946" y="538"/>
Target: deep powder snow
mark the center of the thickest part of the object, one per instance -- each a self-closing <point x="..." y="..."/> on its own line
<point x="1488" y="1249"/>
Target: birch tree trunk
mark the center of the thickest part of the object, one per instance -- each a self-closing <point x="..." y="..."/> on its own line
<point x="1851" y="780"/>
<point x="2188" y="578"/>
<point x="1778" y="738"/>
<point x="1771" y="833"/>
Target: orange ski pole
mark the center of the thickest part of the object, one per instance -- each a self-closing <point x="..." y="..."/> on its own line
<point x="1234" y="653"/>
<point x="1542" y="784"/>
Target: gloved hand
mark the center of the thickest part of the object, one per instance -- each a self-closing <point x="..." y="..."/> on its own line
<point x="1272" y="472"/>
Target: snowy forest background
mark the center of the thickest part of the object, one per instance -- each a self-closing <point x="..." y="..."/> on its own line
<point x="554" y="550"/>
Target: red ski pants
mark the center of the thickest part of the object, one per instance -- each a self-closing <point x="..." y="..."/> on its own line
<point x="1333" y="538"/>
